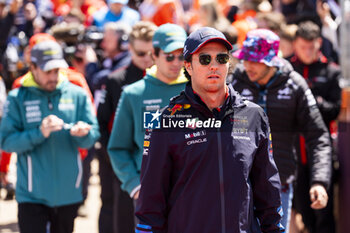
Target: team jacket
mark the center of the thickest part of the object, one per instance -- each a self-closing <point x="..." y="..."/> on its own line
<point x="125" y="145"/>
<point x="116" y="82"/>
<point x="291" y="109"/>
<point x="209" y="179"/>
<point x="323" y="79"/>
<point x="49" y="170"/>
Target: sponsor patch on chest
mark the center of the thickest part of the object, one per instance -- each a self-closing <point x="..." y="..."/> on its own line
<point x="196" y="137"/>
<point x="32" y="111"/>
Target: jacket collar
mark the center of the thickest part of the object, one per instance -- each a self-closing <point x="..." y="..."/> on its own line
<point x="233" y="100"/>
<point x="151" y="75"/>
<point x="29" y="82"/>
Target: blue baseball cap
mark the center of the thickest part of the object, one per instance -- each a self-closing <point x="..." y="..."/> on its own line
<point x="169" y="37"/>
<point x="202" y="36"/>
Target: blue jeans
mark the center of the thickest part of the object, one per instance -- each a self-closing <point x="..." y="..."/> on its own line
<point x="286" y="199"/>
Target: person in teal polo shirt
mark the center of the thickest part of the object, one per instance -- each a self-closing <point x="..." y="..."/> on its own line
<point x="141" y="101"/>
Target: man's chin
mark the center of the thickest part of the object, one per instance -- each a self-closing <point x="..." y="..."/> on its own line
<point x="50" y="88"/>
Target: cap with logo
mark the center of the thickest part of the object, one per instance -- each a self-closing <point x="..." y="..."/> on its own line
<point x="124" y="2"/>
<point x="203" y="36"/>
<point x="48" y="55"/>
<point x="260" y="45"/>
<point x="169" y="37"/>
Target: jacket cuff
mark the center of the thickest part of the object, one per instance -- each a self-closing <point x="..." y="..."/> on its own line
<point x="141" y="228"/>
<point x="137" y="188"/>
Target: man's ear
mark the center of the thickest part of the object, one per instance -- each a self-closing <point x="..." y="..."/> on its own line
<point x="188" y="67"/>
<point x="319" y="42"/>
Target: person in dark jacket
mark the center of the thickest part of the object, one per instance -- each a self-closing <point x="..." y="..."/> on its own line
<point x="114" y="200"/>
<point x="323" y="78"/>
<point x="270" y="81"/>
<point x="209" y="166"/>
<point x="115" y="56"/>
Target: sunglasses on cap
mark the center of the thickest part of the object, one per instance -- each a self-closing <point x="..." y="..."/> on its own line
<point x="171" y="57"/>
<point x="221" y="58"/>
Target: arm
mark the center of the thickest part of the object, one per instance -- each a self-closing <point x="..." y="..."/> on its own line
<point x="85" y="132"/>
<point x="152" y="208"/>
<point x="122" y="145"/>
<point x="12" y="132"/>
<point x="266" y="184"/>
<point x="2" y="95"/>
<point x="330" y="106"/>
<point x="317" y="138"/>
<point x="8" y="20"/>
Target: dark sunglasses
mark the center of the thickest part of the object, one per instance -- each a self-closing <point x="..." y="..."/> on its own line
<point x="171" y="57"/>
<point x="78" y="59"/>
<point x="221" y="58"/>
<point x="142" y="53"/>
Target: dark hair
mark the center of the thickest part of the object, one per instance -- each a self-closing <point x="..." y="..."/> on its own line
<point x="156" y="51"/>
<point x="34" y="65"/>
<point x="308" y="31"/>
<point x="187" y="75"/>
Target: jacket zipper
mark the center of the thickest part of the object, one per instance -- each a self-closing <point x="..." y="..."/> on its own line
<point x="50" y="105"/>
<point x="54" y="170"/>
<point x="221" y="178"/>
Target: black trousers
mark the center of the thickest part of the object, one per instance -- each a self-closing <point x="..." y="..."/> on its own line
<point x="316" y="221"/>
<point x="38" y="217"/>
<point x="117" y="210"/>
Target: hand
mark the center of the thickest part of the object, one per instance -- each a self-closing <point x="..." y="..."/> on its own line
<point x="136" y="195"/>
<point x="15" y="5"/>
<point x="318" y="196"/>
<point x="80" y="129"/>
<point x="50" y="124"/>
<point x="323" y="10"/>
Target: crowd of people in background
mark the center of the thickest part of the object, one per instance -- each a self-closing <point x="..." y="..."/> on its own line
<point x="127" y="55"/>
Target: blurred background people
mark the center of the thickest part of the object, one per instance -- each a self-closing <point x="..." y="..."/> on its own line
<point x="116" y="11"/>
<point x="323" y="78"/>
<point x="146" y="97"/>
<point x="116" y="214"/>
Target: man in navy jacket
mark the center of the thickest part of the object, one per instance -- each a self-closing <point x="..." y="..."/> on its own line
<point x="271" y="82"/>
<point x="209" y="167"/>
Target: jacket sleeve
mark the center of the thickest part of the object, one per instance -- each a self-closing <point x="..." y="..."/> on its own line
<point x="121" y="145"/>
<point x="152" y="205"/>
<point x="87" y="114"/>
<point x="6" y="24"/>
<point x="317" y="138"/>
<point x="106" y="110"/>
<point x="330" y="106"/>
<point x="12" y="132"/>
<point x="266" y="183"/>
